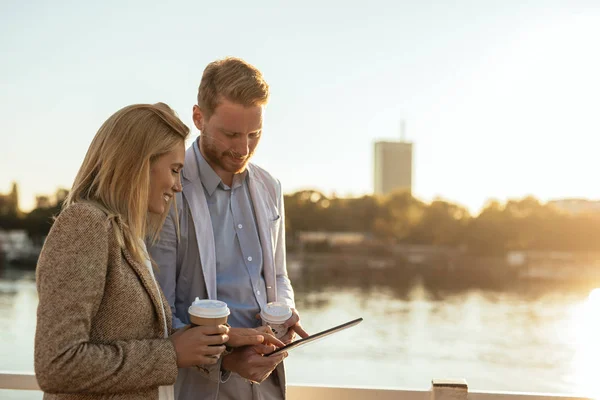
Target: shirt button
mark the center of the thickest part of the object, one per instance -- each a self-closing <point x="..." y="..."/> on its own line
<point x="249" y="258"/>
<point x="258" y="292"/>
<point x="240" y="226"/>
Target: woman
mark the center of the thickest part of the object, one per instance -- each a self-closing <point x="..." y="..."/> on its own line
<point x="103" y="324"/>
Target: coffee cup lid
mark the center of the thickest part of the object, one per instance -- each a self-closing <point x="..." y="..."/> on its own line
<point x="276" y="312"/>
<point x="205" y="308"/>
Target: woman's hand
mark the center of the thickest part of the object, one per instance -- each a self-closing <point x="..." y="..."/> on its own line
<point x="199" y="345"/>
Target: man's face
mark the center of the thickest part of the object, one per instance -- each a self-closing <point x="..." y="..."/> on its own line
<point x="230" y="136"/>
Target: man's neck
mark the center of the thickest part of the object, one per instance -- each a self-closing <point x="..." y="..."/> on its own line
<point x="226" y="176"/>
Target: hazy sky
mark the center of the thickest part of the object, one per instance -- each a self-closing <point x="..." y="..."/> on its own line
<point x="502" y="98"/>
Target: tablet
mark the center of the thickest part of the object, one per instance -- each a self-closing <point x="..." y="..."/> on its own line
<point x="316" y="336"/>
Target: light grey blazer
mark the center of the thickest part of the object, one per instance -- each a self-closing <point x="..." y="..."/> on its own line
<point x="187" y="266"/>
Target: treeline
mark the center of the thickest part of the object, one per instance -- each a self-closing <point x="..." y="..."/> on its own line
<point x="525" y="224"/>
<point x="36" y="223"/>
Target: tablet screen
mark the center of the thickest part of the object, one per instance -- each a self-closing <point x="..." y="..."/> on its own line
<point x="317" y="336"/>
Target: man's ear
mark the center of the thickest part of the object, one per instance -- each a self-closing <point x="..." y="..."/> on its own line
<point x="198" y="117"/>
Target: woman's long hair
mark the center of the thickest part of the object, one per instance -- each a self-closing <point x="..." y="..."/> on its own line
<point x="115" y="174"/>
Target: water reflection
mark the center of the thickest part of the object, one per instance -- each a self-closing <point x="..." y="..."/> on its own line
<point x="520" y="336"/>
<point x="309" y="279"/>
<point x="511" y="336"/>
<point x="18" y="304"/>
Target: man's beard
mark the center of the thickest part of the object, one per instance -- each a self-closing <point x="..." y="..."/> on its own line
<point x="217" y="157"/>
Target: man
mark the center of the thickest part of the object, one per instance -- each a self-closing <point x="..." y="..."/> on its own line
<point x="231" y="244"/>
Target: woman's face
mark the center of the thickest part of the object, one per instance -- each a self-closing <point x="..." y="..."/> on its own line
<point x="165" y="178"/>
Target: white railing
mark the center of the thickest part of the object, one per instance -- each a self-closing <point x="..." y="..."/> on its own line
<point x="18" y="381"/>
<point x="440" y="390"/>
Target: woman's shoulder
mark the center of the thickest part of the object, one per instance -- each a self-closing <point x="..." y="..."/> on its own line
<point x="83" y="215"/>
<point x="80" y="232"/>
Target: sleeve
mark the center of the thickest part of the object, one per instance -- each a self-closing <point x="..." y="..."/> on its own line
<point x="285" y="292"/>
<point x="215" y="372"/>
<point x="71" y="277"/>
<point x="164" y="254"/>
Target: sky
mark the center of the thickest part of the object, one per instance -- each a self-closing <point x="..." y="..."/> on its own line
<point x="501" y="98"/>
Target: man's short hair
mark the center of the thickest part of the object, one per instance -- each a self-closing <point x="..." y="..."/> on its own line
<point x="232" y="79"/>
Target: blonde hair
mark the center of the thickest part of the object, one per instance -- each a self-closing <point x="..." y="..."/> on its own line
<point x="232" y="79"/>
<point x="115" y="174"/>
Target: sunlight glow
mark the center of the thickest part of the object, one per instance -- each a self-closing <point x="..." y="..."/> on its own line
<point x="594" y="296"/>
<point x="586" y="330"/>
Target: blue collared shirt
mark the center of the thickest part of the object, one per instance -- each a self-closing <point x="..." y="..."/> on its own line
<point x="240" y="281"/>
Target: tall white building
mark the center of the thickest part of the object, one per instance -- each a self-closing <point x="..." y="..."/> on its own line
<point x="393" y="166"/>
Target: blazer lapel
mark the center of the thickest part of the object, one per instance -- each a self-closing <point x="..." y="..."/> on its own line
<point x="193" y="192"/>
<point x="266" y="214"/>
<point x="152" y="289"/>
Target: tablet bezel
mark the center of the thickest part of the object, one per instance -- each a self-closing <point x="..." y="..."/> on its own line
<point x="316" y="336"/>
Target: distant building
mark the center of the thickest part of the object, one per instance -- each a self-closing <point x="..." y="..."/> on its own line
<point x="576" y="206"/>
<point x="18" y="248"/>
<point x="9" y="203"/>
<point x="61" y="195"/>
<point x="393" y="164"/>
<point x="43" y="202"/>
<point x="49" y="201"/>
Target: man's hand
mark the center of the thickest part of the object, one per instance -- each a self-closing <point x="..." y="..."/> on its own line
<point x="293" y="325"/>
<point x="239" y="337"/>
<point x="250" y="363"/>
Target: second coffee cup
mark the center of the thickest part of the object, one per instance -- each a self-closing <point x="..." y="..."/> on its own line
<point x="275" y="315"/>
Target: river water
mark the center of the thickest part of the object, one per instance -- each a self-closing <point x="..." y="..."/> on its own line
<point x="534" y="337"/>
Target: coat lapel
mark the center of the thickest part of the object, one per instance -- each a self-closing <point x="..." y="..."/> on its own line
<point x="157" y="298"/>
<point x="193" y="192"/>
<point x="266" y="215"/>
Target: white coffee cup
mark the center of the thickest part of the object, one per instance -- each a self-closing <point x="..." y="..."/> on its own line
<point x="204" y="312"/>
<point x="274" y="315"/>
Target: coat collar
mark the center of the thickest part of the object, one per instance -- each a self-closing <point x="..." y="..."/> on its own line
<point x="156" y="295"/>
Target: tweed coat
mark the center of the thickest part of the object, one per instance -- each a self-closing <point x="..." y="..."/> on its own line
<point x="100" y="330"/>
